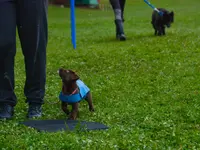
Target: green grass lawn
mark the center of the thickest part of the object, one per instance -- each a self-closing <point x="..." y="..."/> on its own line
<point x="146" y="89"/>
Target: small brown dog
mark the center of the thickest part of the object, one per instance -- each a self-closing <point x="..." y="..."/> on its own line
<point x="73" y="91"/>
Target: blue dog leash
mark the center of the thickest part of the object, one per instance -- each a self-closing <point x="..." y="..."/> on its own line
<point x="153" y="7"/>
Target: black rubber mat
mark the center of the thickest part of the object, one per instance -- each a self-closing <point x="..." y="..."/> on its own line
<point x="59" y="125"/>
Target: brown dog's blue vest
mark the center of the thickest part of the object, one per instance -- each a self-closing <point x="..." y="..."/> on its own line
<point x="74" y="98"/>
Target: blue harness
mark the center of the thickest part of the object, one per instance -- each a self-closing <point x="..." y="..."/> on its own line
<point x="74" y="98"/>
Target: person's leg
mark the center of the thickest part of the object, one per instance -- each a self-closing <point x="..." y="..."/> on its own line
<point x="122" y="5"/>
<point x="32" y="29"/>
<point x="7" y="54"/>
<point x="118" y="19"/>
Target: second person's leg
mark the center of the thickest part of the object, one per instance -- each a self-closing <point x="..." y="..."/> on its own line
<point x="118" y="19"/>
<point x="122" y="5"/>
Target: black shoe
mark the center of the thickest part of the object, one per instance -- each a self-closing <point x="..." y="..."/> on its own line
<point x="6" y="111"/>
<point x="121" y="37"/>
<point x="34" y="110"/>
<point x="120" y="30"/>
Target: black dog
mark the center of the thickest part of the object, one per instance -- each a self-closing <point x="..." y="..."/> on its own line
<point x="159" y="22"/>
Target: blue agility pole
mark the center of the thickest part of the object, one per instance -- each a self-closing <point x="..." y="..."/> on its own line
<point x="73" y="23"/>
<point x="153" y="7"/>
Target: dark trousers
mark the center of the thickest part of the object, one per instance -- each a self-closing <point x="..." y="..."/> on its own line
<point x="118" y="4"/>
<point x="30" y="18"/>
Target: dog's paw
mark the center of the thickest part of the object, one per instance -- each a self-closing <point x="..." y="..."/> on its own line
<point x="91" y="109"/>
<point x="71" y="117"/>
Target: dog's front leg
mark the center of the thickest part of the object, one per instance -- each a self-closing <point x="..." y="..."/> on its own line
<point x="160" y="31"/>
<point x="155" y="33"/>
<point x="74" y="112"/>
<point x="155" y="28"/>
<point x="89" y="100"/>
<point x="163" y="29"/>
<point x="64" y="107"/>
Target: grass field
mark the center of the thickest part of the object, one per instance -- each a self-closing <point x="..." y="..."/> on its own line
<point x="146" y="89"/>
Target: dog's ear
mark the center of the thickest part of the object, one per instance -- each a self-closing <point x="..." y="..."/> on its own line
<point x="74" y="76"/>
<point x="60" y="72"/>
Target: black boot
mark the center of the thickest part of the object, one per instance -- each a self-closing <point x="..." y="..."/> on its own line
<point x="120" y="30"/>
<point x="35" y="110"/>
<point x="6" y="111"/>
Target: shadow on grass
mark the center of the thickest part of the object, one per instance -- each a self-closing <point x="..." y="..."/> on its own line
<point x="150" y="36"/>
<point x="112" y="39"/>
